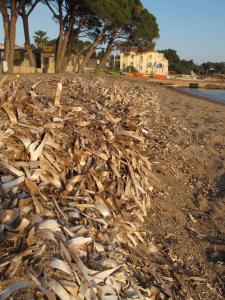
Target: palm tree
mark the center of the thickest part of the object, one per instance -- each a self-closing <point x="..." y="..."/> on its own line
<point x="40" y="38"/>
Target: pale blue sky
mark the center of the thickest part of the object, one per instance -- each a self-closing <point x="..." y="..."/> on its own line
<point x="195" y="28"/>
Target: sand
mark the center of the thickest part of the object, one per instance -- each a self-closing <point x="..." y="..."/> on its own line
<point x="190" y="221"/>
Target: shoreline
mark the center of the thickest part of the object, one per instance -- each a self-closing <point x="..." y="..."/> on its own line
<point x="205" y="84"/>
<point x="158" y="84"/>
<point x="195" y="96"/>
<point x="202" y="116"/>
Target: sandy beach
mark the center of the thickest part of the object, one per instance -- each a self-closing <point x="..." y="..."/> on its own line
<point x="200" y="208"/>
<point x="205" y="120"/>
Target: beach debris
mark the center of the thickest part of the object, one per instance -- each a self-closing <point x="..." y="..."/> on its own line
<point x="58" y="94"/>
<point x="76" y="184"/>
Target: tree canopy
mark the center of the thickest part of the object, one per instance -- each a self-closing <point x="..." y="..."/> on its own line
<point x="177" y="65"/>
<point x="111" y="12"/>
<point x="40" y="37"/>
<point x="182" y="66"/>
<point x="100" y="22"/>
<point x="143" y="31"/>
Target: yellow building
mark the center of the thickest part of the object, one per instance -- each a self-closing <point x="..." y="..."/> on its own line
<point x="148" y="62"/>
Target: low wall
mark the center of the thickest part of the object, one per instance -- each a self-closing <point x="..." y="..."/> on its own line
<point x="21" y="69"/>
<point x="190" y="83"/>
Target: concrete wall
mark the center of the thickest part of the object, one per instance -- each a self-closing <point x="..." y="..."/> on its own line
<point x="150" y="62"/>
<point x="47" y="64"/>
<point x="24" y="66"/>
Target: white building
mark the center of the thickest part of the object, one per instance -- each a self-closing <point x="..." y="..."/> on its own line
<point x="148" y="62"/>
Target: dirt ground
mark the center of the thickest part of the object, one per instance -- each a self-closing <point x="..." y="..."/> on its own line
<point x="186" y="220"/>
<point x="189" y="218"/>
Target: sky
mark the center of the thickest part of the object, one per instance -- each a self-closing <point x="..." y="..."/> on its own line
<point x="195" y="28"/>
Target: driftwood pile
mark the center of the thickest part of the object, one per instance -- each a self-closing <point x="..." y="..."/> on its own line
<point x="75" y="187"/>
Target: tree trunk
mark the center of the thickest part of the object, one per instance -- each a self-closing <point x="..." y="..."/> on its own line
<point x="6" y="41"/>
<point x="61" y="50"/>
<point x="89" y="54"/>
<point x="12" y="37"/>
<point x="5" y="17"/>
<point x="62" y="59"/>
<point x="75" y="63"/>
<point x="10" y="29"/>
<point x="65" y="27"/>
<point x="68" y="52"/>
<point x="74" y="34"/>
<point x="107" y="54"/>
<point x="65" y="45"/>
<point x="58" y="50"/>
<point x="63" y="37"/>
<point x="104" y="60"/>
<point x="27" y="38"/>
<point x="59" y="53"/>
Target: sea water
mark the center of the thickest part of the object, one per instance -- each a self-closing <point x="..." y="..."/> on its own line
<point x="212" y="94"/>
